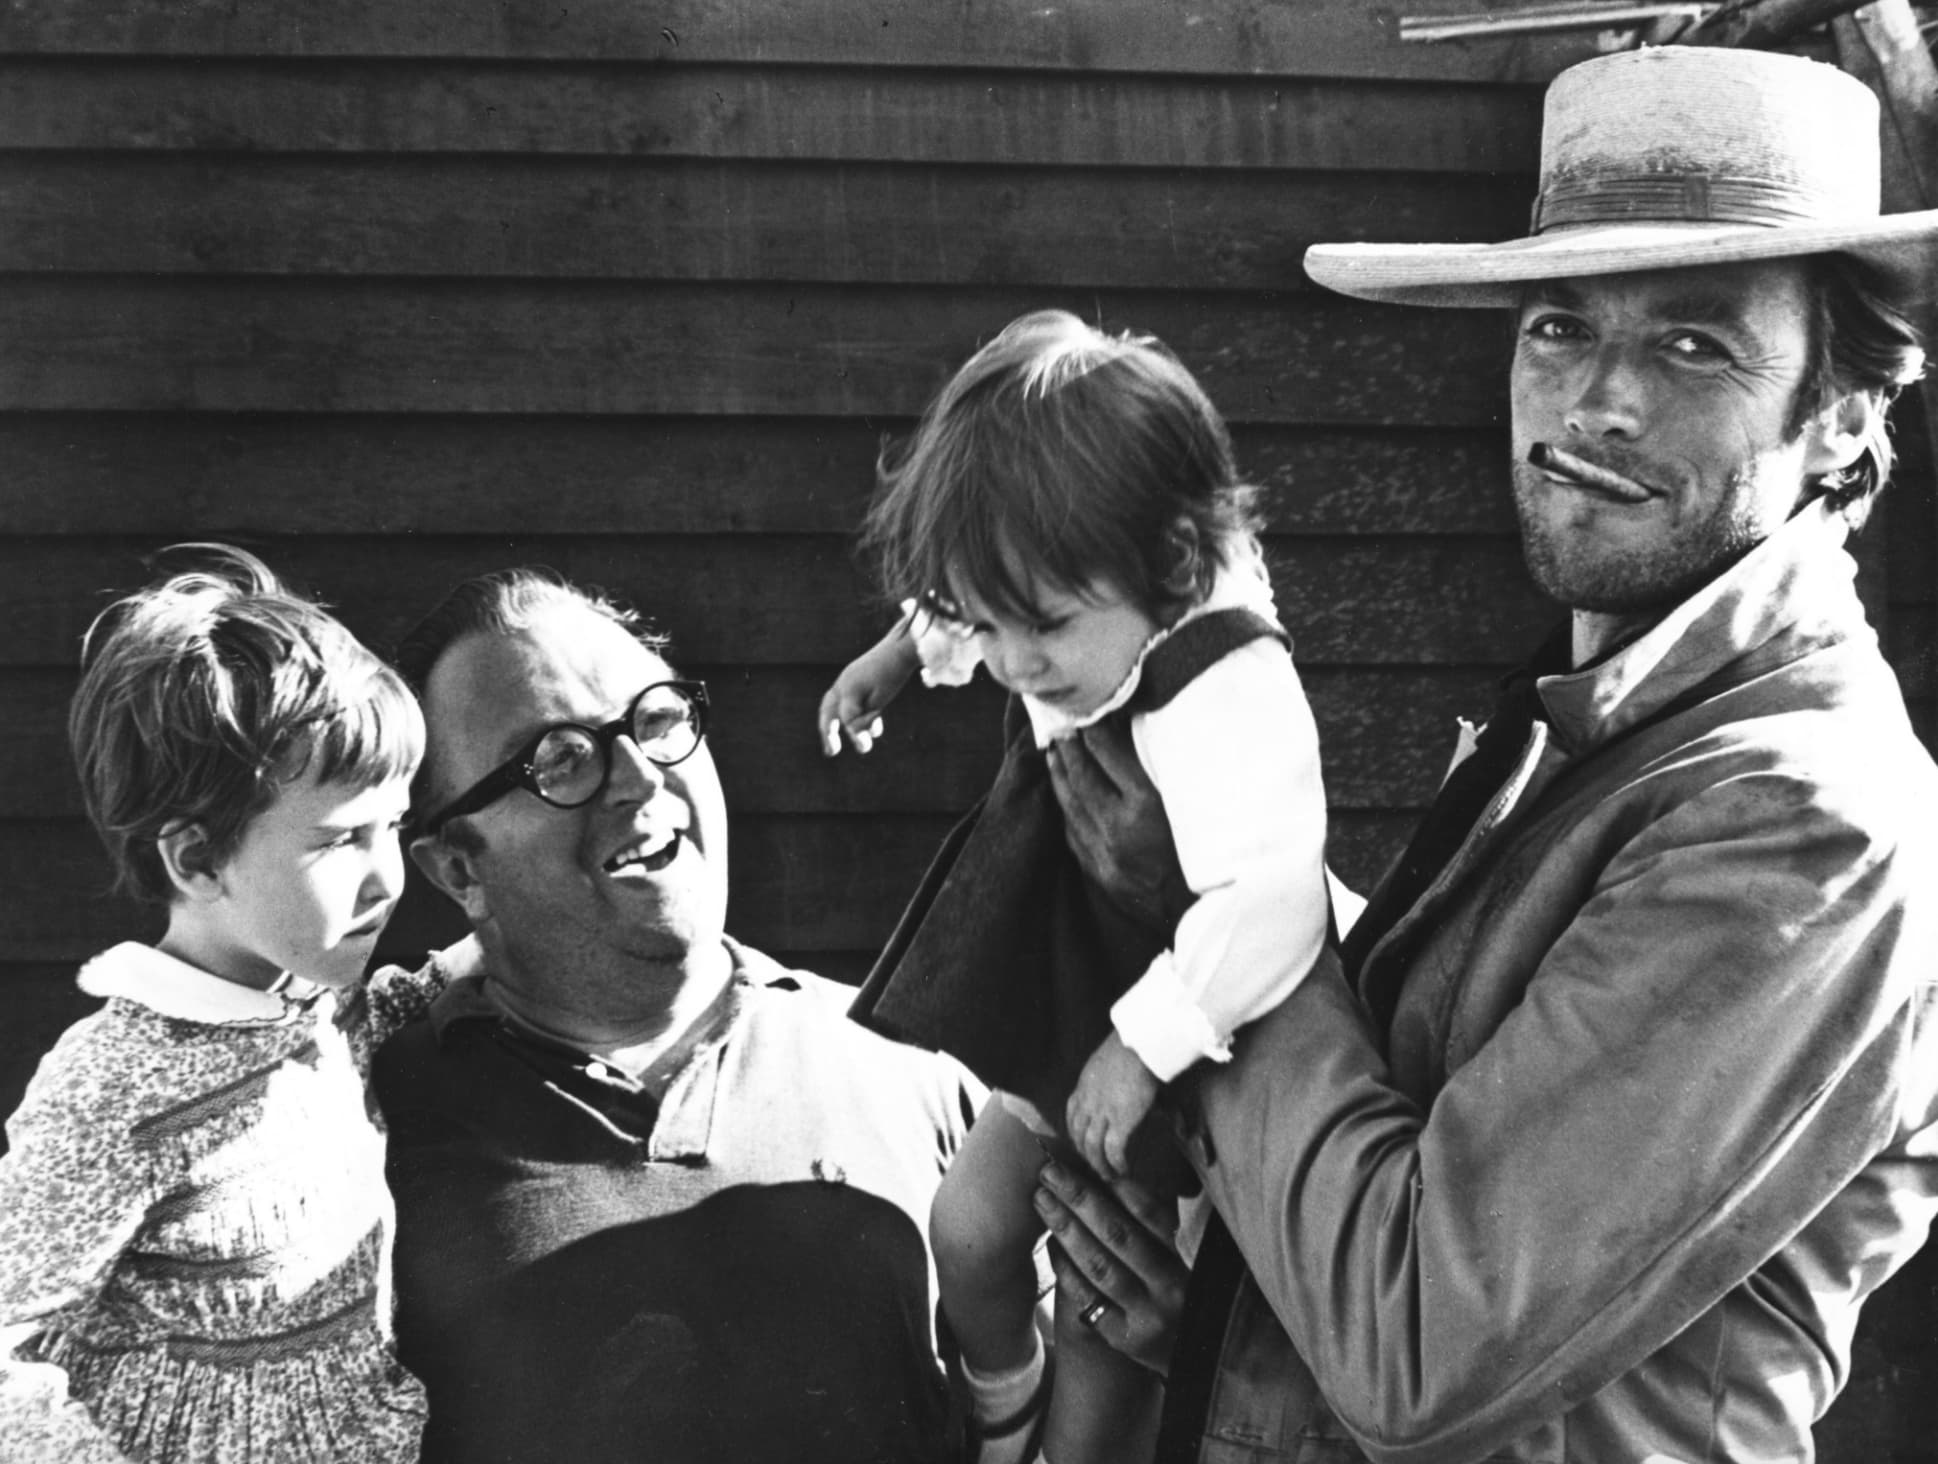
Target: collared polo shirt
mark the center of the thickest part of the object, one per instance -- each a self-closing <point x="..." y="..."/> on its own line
<point x="723" y="1260"/>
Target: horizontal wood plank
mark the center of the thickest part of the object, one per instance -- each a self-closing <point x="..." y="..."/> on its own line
<point x="1291" y="37"/>
<point x="753" y="600"/>
<point x="61" y="904"/>
<point x="839" y="114"/>
<point x="1386" y="735"/>
<point x="204" y="475"/>
<point x="658" y="219"/>
<point x="308" y="345"/>
<point x="808" y="882"/>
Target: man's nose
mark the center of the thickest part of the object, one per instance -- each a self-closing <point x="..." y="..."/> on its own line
<point x="1608" y="396"/>
<point x="633" y="775"/>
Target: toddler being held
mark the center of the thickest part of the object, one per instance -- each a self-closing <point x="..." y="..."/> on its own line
<point x="1068" y="515"/>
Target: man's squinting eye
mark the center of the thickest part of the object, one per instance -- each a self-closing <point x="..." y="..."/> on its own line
<point x="1693" y="346"/>
<point x="1552" y="328"/>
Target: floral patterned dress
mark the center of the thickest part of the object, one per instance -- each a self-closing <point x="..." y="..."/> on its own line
<point x="194" y="1229"/>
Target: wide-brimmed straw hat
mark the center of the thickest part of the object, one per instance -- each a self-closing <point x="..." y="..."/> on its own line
<point x="1664" y="158"/>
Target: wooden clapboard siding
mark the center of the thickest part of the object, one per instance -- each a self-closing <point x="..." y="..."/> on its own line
<point x="702" y="219"/>
<point x="1387" y="726"/>
<point x="1395" y="637"/>
<point x="1230" y="39"/>
<point x="815" y="881"/>
<point x="259" y="345"/>
<point x="398" y="291"/>
<point x="836" y="113"/>
<point x="800" y="599"/>
<point x="266" y="473"/>
<point x="395" y="294"/>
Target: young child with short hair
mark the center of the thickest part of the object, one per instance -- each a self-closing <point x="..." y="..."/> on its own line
<point x="194" y="1229"/>
<point x="1069" y="516"/>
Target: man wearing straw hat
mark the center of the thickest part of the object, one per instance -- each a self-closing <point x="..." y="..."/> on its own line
<point x="1624" y="1092"/>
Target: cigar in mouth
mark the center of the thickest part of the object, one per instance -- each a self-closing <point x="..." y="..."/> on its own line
<point x="1547" y="455"/>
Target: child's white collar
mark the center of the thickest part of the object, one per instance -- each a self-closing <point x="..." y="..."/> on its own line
<point x="173" y="988"/>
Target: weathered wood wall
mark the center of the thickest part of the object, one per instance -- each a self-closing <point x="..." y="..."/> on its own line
<point x="395" y="293"/>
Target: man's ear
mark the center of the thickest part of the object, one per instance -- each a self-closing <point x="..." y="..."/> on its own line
<point x="453" y="870"/>
<point x="189" y="861"/>
<point x="1836" y="436"/>
<point x="1182" y="560"/>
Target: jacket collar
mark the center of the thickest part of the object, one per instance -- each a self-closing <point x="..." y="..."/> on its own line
<point x="173" y="988"/>
<point x="1790" y="595"/>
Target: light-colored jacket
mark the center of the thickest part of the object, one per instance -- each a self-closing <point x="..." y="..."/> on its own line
<point x="1661" y="1105"/>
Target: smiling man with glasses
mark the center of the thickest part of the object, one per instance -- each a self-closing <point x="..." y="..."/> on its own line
<point x="657" y="1196"/>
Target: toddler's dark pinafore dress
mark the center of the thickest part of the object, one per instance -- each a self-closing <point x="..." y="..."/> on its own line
<point x="1002" y="958"/>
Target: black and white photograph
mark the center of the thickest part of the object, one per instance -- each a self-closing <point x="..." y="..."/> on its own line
<point x="662" y="659"/>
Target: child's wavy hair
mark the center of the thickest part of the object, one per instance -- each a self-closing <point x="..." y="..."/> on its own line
<point x="206" y="693"/>
<point x="1058" y="456"/>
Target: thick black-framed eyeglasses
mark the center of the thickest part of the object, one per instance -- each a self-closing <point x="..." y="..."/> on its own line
<point x="567" y="764"/>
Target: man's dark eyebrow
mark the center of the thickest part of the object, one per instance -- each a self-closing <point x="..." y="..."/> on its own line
<point x="1706" y="308"/>
<point x="511" y="744"/>
<point x="1698" y="307"/>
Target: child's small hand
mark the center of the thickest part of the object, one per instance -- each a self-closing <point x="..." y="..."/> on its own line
<point x="843" y="711"/>
<point x="1112" y="1097"/>
<point x="866" y="685"/>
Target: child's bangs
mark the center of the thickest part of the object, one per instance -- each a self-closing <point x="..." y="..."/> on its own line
<point x="1049" y="513"/>
<point x="977" y="553"/>
<point x="1007" y="581"/>
<point x="1013" y="530"/>
<point x="375" y="735"/>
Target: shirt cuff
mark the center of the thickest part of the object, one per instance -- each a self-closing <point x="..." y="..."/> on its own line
<point x="1160" y="1021"/>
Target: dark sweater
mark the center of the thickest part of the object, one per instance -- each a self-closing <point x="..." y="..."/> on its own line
<point x="727" y="1262"/>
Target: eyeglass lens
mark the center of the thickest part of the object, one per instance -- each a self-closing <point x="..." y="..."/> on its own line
<point x="569" y="764"/>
